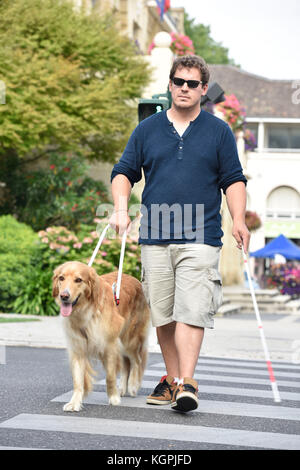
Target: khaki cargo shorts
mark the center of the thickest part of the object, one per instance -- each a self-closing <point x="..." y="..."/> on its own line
<point x="182" y="283"/>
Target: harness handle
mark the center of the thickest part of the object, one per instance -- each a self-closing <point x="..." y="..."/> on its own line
<point x="116" y="286"/>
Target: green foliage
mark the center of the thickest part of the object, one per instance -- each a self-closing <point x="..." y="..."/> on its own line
<point x="62" y="194"/>
<point x="69" y="80"/>
<point x="204" y="45"/>
<point x="17" y="245"/>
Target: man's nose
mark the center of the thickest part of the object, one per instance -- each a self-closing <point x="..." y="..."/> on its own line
<point x="185" y="87"/>
<point x="65" y="295"/>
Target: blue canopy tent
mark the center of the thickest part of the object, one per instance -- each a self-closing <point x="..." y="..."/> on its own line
<point x="280" y="245"/>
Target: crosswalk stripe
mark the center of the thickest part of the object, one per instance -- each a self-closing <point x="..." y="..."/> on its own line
<point x="238" y="370"/>
<point x="152" y="430"/>
<point x="227" y="378"/>
<point x="205" y="406"/>
<point x="247" y="364"/>
<point x="222" y="390"/>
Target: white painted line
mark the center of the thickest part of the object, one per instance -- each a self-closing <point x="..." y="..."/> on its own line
<point x="205" y="406"/>
<point x="235" y="391"/>
<point x="142" y="429"/>
<point x="228" y="378"/>
<point x="238" y="370"/>
<point x="248" y="364"/>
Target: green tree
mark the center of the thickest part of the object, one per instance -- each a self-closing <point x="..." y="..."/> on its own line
<point x="212" y="52"/>
<point x="70" y="80"/>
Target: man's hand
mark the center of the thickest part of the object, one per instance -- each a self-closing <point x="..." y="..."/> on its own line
<point x="120" y="221"/>
<point x="241" y="234"/>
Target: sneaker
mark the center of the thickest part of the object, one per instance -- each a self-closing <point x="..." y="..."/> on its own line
<point x="163" y="392"/>
<point x="185" y="397"/>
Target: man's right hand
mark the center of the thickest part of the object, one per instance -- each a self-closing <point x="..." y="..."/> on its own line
<point x="120" y="221"/>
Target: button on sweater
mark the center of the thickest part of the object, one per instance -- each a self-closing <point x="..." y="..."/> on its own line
<point x="184" y="177"/>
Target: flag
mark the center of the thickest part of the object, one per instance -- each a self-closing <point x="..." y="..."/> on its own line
<point x="163" y="6"/>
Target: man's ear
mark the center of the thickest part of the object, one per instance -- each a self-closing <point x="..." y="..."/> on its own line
<point x="204" y="89"/>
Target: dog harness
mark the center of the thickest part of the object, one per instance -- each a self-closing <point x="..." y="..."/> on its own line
<point x="116" y="286"/>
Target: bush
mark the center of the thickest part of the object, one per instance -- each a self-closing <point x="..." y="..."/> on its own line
<point x="17" y="245"/>
<point x="62" y="194"/>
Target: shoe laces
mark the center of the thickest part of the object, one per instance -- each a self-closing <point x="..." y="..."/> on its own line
<point x="162" y="386"/>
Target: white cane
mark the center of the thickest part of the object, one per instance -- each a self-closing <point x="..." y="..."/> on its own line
<point x="115" y="287"/>
<point x="261" y="331"/>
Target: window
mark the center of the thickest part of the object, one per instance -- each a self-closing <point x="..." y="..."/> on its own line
<point x="283" y="136"/>
<point x="283" y="202"/>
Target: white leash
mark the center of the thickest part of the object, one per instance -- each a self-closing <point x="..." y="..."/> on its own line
<point x="261" y="331"/>
<point x="116" y="286"/>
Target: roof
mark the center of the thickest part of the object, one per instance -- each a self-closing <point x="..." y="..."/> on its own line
<point x="262" y="97"/>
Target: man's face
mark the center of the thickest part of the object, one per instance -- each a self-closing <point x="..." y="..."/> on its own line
<point x="183" y="96"/>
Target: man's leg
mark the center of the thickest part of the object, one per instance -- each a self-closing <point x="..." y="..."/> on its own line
<point x="166" y="339"/>
<point x="180" y="345"/>
<point x="188" y="340"/>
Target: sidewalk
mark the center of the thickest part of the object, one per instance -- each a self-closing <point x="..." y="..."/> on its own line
<point x="234" y="336"/>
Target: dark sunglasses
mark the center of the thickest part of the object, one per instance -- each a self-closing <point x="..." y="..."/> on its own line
<point x="190" y="83"/>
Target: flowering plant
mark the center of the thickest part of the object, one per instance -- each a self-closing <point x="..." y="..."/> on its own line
<point x="234" y="113"/>
<point x="252" y="220"/>
<point x="286" y="278"/>
<point x="250" y="140"/>
<point x="180" y="45"/>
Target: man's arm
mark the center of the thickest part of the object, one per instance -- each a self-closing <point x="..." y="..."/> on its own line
<point x="236" y="201"/>
<point x="121" y="190"/>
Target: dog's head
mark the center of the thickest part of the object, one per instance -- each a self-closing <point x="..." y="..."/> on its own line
<point x="74" y="284"/>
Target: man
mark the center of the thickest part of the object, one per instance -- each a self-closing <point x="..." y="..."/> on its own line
<point x="188" y="156"/>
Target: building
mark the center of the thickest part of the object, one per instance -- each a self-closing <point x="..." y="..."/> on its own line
<point x="138" y="19"/>
<point x="273" y="168"/>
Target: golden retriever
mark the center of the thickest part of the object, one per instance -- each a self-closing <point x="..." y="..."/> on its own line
<point x="96" y="328"/>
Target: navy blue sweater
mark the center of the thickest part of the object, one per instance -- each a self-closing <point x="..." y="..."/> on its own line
<point x="183" y="175"/>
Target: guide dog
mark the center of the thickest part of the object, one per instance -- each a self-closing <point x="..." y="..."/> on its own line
<point x="96" y="327"/>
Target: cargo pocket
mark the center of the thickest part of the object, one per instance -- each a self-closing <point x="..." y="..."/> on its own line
<point x="217" y="295"/>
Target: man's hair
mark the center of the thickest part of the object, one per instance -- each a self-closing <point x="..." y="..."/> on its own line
<point x="189" y="61"/>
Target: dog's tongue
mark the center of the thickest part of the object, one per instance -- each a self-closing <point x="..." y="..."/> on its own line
<point x="66" y="309"/>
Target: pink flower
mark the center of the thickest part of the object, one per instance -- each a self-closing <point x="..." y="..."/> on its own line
<point x="87" y="240"/>
<point x="45" y="240"/>
<point x="103" y="253"/>
<point x="77" y="245"/>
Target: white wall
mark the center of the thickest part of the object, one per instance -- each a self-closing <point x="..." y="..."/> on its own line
<point x="267" y="171"/>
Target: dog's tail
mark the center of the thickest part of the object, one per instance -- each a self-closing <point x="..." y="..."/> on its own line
<point x="88" y="378"/>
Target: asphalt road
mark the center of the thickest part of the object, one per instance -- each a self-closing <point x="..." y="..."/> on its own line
<point x="236" y="409"/>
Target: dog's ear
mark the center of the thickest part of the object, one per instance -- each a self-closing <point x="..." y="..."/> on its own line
<point x="92" y="282"/>
<point x="54" y="281"/>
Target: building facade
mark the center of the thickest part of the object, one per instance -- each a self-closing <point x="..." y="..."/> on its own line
<point x="138" y="19"/>
<point x="273" y="167"/>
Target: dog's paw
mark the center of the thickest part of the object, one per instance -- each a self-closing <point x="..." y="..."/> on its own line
<point x="132" y="390"/>
<point x="123" y="388"/>
<point x="71" y="406"/>
<point x="114" y="400"/>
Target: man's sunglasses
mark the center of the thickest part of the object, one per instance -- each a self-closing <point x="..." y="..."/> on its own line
<point x="190" y="83"/>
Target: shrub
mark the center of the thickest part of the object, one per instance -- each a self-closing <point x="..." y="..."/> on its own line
<point x="17" y="245"/>
<point x="62" y="194"/>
